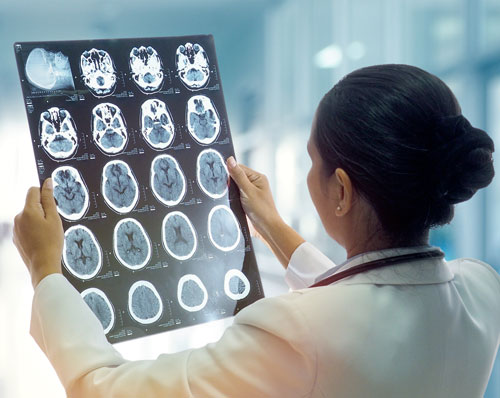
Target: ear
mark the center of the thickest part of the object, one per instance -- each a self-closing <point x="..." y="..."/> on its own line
<point x="344" y="192"/>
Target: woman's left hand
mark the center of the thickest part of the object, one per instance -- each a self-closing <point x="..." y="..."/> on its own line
<point x="38" y="233"/>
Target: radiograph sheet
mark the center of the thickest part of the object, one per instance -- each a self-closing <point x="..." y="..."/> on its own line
<point x="135" y="135"/>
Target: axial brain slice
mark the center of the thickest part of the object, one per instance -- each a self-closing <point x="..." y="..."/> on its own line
<point x="202" y="119"/>
<point x="58" y="133"/>
<point x="144" y="304"/>
<point x="119" y="186"/>
<point x="146" y="69"/>
<point x="70" y="192"/>
<point x="98" y="72"/>
<point x="157" y="125"/>
<point x="109" y="129"/>
<point x="178" y="235"/>
<point x="192" y="65"/>
<point x="223" y="228"/>
<point x="100" y="306"/>
<point x="167" y="180"/>
<point x="131" y="244"/>
<point x="236" y="284"/>
<point x="191" y="293"/>
<point x="212" y="173"/>
<point x="82" y="254"/>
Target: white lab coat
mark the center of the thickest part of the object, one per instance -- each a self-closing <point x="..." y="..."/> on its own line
<point x="428" y="328"/>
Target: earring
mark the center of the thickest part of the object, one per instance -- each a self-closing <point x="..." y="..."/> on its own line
<point x="339" y="208"/>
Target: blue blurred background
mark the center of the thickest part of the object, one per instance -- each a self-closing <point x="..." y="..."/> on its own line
<point x="277" y="59"/>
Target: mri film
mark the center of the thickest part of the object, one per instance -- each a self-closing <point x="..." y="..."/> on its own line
<point x="146" y="69"/>
<point x="178" y="236"/>
<point x="109" y="129"/>
<point x="212" y="174"/>
<point x="82" y="254"/>
<point x="236" y="284"/>
<point x="167" y="180"/>
<point x="100" y="305"/>
<point x="202" y="119"/>
<point x="48" y="70"/>
<point x="191" y="293"/>
<point x="144" y="302"/>
<point x="223" y="228"/>
<point x="58" y="133"/>
<point x="157" y="126"/>
<point x="119" y="186"/>
<point x="70" y="193"/>
<point x="192" y="65"/>
<point x="98" y="72"/>
<point x="131" y="244"/>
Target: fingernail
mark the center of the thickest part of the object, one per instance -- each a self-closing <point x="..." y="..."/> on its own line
<point x="231" y="162"/>
<point x="48" y="183"/>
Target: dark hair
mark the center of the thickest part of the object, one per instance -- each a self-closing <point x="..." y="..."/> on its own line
<point x="399" y="134"/>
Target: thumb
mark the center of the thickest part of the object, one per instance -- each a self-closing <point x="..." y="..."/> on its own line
<point x="238" y="175"/>
<point x="47" y="198"/>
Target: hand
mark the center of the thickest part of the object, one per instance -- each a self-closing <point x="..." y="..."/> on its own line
<point x="38" y="233"/>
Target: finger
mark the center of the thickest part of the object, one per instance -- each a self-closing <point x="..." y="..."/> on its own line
<point x="47" y="197"/>
<point x="33" y="197"/>
<point x="253" y="176"/>
<point x="238" y="174"/>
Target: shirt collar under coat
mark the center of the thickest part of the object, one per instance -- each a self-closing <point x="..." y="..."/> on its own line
<point x="417" y="272"/>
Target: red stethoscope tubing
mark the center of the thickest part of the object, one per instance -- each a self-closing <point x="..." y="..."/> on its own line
<point x="384" y="262"/>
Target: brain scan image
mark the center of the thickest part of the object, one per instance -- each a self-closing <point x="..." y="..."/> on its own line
<point x="48" y="70"/>
<point x="131" y="244"/>
<point x="100" y="306"/>
<point x="109" y="129"/>
<point x="119" y="186"/>
<point x="191" y="293"/>
<point x="144" y="302"/>
<point x="236" y="284"/>
<point x="82" y="254"/>
<point x="157" y="126"/>
<point x="58" y="133"/>
<point x="167" y="180"/>
<point x="202" y="119"/>
<point x="178" y="235"/>
<point x="191" y="61"/>
<point x="223" y="228"/>
<point x="212" y="173"/>
<point x="146" y="69"/>
<point x="70" y="192"/>
<point x="98" y="72"/>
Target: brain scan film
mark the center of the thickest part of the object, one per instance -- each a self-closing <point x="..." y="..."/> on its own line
<point x="109" y="129"/>
<point x="202" y="119"/>
<point x="131" y="244"/>
<point x="191" y="293"/>
<point x="212" y="173"/>
<point x="100" y="306"/>
<point x="146" y="69"/>
<point x="236" y="284"/>
<point x="119" y="186"/>
<point x="58" y="133"/>
<point x="157" y="126"/>
<point x="82" y="254"/>
<point x="167" y="180"/>
<point x="144" y="302"/>
<point x="178" y="235"/>
<point x="98" y="72"/>
<point x="70" y="192"/>
<point x="223" y="228"/>
<point x="192" y="65"/>
<point x="49" y="70"/>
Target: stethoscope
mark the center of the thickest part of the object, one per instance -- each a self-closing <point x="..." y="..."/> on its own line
<point x="383" y="262"/>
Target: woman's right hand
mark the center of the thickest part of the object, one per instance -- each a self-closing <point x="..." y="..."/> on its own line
<point x="256" y="197"/>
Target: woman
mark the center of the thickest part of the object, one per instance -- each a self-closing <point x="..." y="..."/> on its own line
<point x="391" y="156"/>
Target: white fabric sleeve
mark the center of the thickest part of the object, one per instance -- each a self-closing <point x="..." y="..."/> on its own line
<point x="267" y="352"/>
<point x="305" y="265"/>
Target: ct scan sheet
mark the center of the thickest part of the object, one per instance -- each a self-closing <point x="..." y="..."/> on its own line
<point x="135" y="136"/>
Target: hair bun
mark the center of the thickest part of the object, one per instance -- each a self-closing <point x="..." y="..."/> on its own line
<point x="463" y="159"/>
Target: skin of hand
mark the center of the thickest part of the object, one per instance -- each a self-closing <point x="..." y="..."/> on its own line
<point x="38" y="233"/>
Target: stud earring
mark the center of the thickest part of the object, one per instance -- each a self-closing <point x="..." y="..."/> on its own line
<point x="339" y="208"/>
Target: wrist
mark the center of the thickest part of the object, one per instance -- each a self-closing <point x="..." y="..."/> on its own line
<point x="41" y="269"/>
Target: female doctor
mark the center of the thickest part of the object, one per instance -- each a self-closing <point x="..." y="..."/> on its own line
<point x="391" y="156"/>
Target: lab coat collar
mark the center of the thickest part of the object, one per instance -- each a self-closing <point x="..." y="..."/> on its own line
<point x="418" y="272"/>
